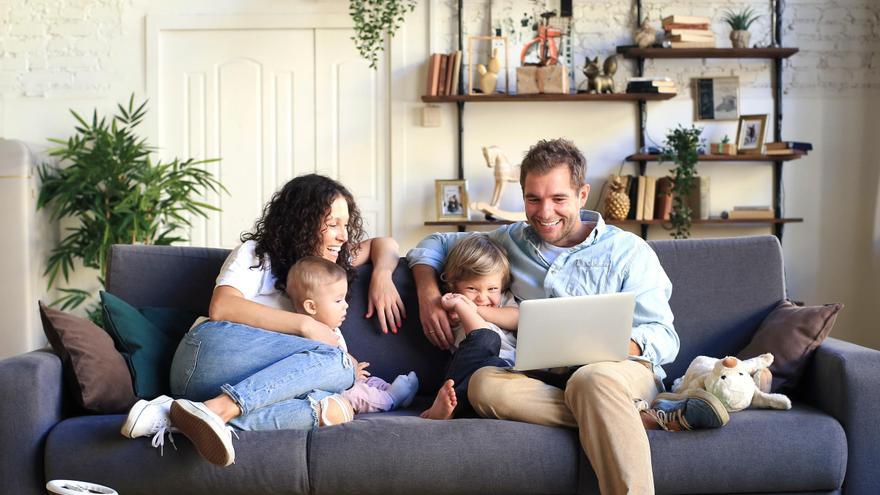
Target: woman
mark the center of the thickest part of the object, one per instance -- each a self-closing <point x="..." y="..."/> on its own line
<point x="256" y="364"/>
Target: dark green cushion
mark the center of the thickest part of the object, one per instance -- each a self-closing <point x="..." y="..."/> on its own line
<point x="146" y="338"/>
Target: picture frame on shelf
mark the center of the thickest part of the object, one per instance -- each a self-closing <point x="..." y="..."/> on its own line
<point x="716" y="98"/>
<point x="750" y="134"/>
<point x="451" y="197"/>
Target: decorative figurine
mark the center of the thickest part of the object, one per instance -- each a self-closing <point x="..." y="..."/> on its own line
<point x="646" y="35"/>
<point x="504" y="171"/>
<point x="600" y="81"/>
<point x="489" y="75"/>
<point x="617" y="202"/>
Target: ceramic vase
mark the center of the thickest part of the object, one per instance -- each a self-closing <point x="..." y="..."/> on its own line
<point x="740" y="38"/>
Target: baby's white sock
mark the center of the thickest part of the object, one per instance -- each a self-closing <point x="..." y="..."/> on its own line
<point x="403" y="389"/>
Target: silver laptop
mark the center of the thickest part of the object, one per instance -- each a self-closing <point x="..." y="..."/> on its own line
<point x="571" y="331"/>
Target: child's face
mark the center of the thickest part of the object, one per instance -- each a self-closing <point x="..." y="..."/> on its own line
<point x="483" y="291"/>
<point x="330" y="305"/>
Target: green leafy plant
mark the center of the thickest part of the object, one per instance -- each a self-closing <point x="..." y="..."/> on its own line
<point x="681" y="148"/>
<point x="105" y="180"/>
<point x="740" y="21"/>
<point x="725" y="139"/>
<point x="373" y="20"/>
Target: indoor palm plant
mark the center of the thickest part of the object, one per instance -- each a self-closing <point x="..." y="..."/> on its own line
<point x="106" y="182"/>
<point x="373" y="21"/>
<point x="739" y="23"/>
<point x="681" y="148"/>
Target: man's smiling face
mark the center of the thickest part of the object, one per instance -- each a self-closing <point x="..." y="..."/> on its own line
<point x="553" y="206"/>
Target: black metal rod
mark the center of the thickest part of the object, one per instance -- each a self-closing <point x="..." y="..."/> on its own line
<point x="777" y="119"/>
<point x="460" y="109"/>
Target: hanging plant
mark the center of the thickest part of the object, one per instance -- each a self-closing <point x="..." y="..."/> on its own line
<point x="373" y="20"/>
<point x="681" y="149"/>
<point x="106" y="181"/>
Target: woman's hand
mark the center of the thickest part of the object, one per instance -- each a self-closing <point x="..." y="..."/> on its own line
<point x="315" y="330"/>
<point x="384" y="300"/>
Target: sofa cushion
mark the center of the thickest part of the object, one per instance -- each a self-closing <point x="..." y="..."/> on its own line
<point x="147" y="339"/>
<point x="94" y="371"/>
<point x="798" y="450"/>
<point x="90" y="448"/>
<point x="382" y="454"/>
<point x="791" y="333"/>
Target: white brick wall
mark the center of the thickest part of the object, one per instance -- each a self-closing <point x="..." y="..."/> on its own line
<point x="57" y="46"/>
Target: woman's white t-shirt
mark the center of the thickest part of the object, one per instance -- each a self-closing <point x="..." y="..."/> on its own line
<point x="255" y="284"/>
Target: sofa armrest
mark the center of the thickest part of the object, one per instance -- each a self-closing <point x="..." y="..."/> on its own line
<point x="843" y="380"/>
<point x="31" y="388"/>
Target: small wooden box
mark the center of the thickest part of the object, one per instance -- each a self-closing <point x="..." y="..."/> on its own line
<point x="527" y="80"/>
<point x="722" y="149"/>
<point x="553" y="79"/>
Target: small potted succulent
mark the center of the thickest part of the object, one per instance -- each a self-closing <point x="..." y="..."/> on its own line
<point x="739" y="24"/>
<point x="725" y="147"/>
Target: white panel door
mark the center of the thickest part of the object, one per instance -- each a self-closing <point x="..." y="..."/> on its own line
<point x="247" y="97"/>
<point x="351" y="125"/>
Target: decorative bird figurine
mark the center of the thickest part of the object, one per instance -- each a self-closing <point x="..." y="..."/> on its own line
<point x="646" y="35"/>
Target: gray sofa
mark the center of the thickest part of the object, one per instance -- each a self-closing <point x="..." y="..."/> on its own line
<point x="828" y="442"/>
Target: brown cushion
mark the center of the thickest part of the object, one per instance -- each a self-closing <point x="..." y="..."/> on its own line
<point x="791" y="333"/>
<point x="93" y="369"/>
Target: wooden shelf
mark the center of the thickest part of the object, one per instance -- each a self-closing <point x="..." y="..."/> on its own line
<point x="768" y="53"/>
<point x="710" y="221"/>
<point x="642" y="157"/>
<point x="551" y="97"/>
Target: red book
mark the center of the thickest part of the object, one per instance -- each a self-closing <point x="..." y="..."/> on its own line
<point x="433" y="73"/>
<point x="444" y="64"/>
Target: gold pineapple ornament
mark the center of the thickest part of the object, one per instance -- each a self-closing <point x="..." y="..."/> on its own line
<point x="617" y="202"/>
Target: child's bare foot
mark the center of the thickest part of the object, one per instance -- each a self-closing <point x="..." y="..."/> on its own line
<point x="444" y="403"/>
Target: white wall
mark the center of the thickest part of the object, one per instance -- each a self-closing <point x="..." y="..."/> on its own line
<point x="61" y="54"/>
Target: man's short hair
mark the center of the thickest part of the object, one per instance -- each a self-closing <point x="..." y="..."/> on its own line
<point x="308" y="275"/>
<point x="549" y="154"/>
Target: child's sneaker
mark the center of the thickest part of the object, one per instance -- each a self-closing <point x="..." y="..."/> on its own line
<point x="146" y="418"/>
<point x="210" y="435"/>
<point x="692" y="410"/>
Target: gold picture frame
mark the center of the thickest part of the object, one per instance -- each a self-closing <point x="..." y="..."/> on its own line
<point x="471" y="64"/>
<point x="451" y="198"/>
<point x="750" y="134"/>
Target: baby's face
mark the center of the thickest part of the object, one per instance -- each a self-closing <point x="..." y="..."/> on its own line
<point x="330" y="303"/>
<point x="483" y="291"/>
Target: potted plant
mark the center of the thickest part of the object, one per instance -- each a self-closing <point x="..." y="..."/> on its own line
<point x="373" y="21"/>
<point x="107" y="183"/>
<point x="725" y="147"/>
<point x="739" y="23"/>
<point x="681" y="148"/>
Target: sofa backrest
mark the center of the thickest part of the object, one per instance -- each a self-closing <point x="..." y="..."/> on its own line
<point x="721" y="291"/>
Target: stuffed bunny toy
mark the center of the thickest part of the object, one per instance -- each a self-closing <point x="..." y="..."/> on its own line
<point x="737" y="384"/>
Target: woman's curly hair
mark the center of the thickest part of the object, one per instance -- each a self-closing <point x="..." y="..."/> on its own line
<point x="293" y="221"/>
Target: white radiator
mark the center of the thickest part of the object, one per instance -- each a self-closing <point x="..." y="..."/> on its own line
<point x="22" y="248"/>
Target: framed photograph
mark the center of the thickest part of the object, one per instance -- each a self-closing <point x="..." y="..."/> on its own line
<point x="452" y="199"/>
<point x="750" y="134"/>
<point x="716" y="98"/>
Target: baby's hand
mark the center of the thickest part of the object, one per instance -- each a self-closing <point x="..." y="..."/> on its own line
<point x="360" y="369"/>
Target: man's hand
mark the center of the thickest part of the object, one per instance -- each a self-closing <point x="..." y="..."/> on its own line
<point x="315" y="330"/>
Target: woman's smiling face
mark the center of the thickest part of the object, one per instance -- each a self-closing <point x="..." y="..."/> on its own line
<point x="335" y="230"/>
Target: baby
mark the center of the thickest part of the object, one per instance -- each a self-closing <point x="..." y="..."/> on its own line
<point x="317" y="287"/>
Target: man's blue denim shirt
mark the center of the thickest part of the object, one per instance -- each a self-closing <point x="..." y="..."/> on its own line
<point x="609" y="260"/>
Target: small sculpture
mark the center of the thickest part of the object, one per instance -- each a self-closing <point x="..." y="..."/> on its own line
<point x="504" y="171"/>
<point x="646" y="35"/>
<point x="600" y="81"/>
<point x="617" y="202"/>
<point x="489" y="75"/>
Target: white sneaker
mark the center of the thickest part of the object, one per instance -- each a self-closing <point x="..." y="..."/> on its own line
<point x="210" y="435"/>
<point x="146" y="418"/>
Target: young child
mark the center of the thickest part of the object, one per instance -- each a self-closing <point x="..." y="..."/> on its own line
<point x="477" y="276"/>
<point x="317" y="287"/>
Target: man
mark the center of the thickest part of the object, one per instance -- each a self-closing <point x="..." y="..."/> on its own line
<point x="564" y="251"/>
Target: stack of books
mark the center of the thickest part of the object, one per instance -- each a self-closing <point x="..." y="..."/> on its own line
<point x="443" y="71"/>
<point x="750" y="213"/>
<point x="685" y="31"/>
<point x="651" y="85"/>
<point x="787" y="148"/>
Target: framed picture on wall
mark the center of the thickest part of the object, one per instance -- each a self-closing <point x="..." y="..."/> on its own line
<point x="750" y="134"/>
<point x="452" y="199"/>
<point x="716" y="98"/>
